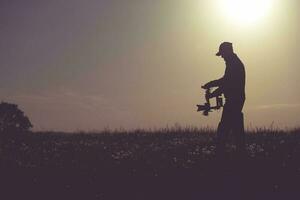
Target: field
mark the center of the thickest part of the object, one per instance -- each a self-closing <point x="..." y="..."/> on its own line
<point x="171" y="163"/>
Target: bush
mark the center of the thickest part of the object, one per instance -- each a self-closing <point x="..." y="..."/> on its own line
<point x="12" y="119"/>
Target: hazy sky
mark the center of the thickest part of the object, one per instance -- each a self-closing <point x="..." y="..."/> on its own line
<point x="90" y="64"/>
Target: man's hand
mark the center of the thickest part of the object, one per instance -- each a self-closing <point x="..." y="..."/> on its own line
<point x="206" y="86"/>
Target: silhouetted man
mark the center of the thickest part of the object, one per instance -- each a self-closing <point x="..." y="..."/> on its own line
<point x="232" y="85"/>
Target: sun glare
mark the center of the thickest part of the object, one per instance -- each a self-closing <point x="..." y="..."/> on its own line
<point x="245" y="12"/>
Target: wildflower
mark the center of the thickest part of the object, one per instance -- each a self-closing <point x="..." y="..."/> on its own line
<point x="206" y="151"/>
<point x="175" y="159"/>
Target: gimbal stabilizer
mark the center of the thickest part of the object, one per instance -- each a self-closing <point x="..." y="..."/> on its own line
<point x="206" y="108"/>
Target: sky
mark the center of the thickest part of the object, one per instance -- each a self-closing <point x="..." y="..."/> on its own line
<point x="95" y="64"/>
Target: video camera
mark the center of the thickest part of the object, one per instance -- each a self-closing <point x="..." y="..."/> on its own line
<point x="206" y="108"/>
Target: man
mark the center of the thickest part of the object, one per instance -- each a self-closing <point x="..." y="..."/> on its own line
<point x="232" y="85"/>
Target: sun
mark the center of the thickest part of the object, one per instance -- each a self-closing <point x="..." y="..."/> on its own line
<point x="246" y="12"/>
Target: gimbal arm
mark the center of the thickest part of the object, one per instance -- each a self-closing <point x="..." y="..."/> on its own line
<point x="216" y="93"/>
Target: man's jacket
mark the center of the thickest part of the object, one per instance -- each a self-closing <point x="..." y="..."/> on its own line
<point x="232" y="84"/>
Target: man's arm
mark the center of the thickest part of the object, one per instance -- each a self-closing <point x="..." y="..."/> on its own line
<point x="215" y="83"/>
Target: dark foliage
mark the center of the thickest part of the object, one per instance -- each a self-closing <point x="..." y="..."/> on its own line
<point x="164" y="164"/>
<point x="12" y="119"/>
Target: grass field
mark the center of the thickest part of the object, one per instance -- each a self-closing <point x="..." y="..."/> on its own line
<point x="172" y="163"/>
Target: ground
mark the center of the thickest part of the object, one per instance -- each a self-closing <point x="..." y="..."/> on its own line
<point x="173" y="163"/>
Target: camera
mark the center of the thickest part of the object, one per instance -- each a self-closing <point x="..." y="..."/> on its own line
<point x="205" y="108"/>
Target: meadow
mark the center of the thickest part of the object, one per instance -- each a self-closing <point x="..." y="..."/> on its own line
<point x="170" y="163"/>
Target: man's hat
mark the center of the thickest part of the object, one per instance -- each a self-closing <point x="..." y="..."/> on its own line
<point x="225" y="47"/>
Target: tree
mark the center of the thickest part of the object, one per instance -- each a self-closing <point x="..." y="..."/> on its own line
<point x="13" y="119"/>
